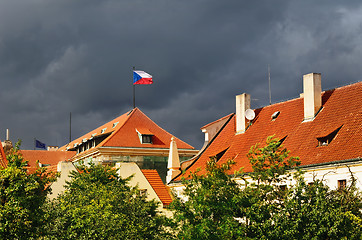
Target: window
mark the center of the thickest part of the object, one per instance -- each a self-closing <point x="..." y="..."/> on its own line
<point x="144" y="135"/>
<point x="342" y="184"/>
<point x="281" y="141"/>
<point x="143" y="192"/>
<point x="275" y="115"/>
<point x="220" y="154"/>
<point x="103" y="130"/>
<point x="146" y="138"/>
<point x="115" y="124"/>
<point x="324" y="141"/>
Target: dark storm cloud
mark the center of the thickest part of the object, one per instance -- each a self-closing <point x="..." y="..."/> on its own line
<point x="58" y="57"/>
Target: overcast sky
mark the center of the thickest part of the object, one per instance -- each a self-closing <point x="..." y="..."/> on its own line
<point x="58" y="57"/>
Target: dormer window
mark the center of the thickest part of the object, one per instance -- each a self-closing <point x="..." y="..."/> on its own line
<point x="281" y="141"/>
<point x="220" y="154"/>
<point x="325" y="141"/>
<point x="144" y="135"/>
<point x="146" y="139"/>
<point x="103" y="130"/>
<point x="115" y="124"/>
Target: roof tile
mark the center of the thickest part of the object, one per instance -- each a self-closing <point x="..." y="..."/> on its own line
<point x="342" y="107"/>
<point x="154" y="179"/>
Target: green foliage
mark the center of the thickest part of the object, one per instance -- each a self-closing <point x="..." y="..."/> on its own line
<point x="217" y="208"/>
<point x="211" y="206"/>
<point x="98" y="204"/>
<point x="22" y="195"/>
<point x="270" y="162"/>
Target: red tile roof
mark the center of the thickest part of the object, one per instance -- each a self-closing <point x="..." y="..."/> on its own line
<point x="50" y="158"/>
<point x="342" y="107"/>
<point x="3" y="160"/>
<point x="154" y="179"/>
<point x="122" y="133"/>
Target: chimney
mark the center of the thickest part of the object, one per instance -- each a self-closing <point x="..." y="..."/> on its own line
<point x="312" y="91"/>
<point x="242" y="104"/>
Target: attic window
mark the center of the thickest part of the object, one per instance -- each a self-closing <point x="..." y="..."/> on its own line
<point x="324" y="141"/>
<point x="103" y="130"/>
<point x="115" y="124"/>
<point x="146" y="138"/>
<point x="144" y="135"/>
<point x="281" y="141"/>
<point x="275" y="115"/>
<point x="220" y="154"/>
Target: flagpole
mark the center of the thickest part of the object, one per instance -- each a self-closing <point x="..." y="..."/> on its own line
<point x="134" y="91"/>
<point x="70" y="127"/>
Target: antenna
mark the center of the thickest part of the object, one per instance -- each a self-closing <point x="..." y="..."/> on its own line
<point x="269" y="85"/>
<point x="70" y="127"/>
<point x="249" y="114"/>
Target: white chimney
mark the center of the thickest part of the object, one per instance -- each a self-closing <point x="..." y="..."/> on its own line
<point x="173" y="162"/>
<point x="312" y="91"/>
<point x="242" y="104"/>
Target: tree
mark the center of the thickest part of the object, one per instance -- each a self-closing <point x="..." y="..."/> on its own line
<point x="217" y="207"/>
<point x="210" y="209"/>
<point x="22" y="195"/>
<point x="98" y="204"/>
<point x="270" y="163"/>
<point x="313" y="211"/>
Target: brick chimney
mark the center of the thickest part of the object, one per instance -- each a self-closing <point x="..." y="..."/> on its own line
<point x="312" y="91"/>
<point x="242" y="104"/>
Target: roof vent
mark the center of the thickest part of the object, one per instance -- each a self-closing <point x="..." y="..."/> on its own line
<point x="275" y="115"/>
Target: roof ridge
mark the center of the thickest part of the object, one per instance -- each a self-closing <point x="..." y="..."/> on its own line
<point x="99" y="127"/>
<point x="192" y="147"/>
<point x="129" y="115"/>
<point x="296" y="98"/>
<point x="217" y="120"/>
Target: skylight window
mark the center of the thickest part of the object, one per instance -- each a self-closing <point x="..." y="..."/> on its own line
<point x="325" y="141"/>
<point x="275" y="115"/>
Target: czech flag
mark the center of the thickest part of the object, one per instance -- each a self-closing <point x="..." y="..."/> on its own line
<point x="141" y="77"/>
